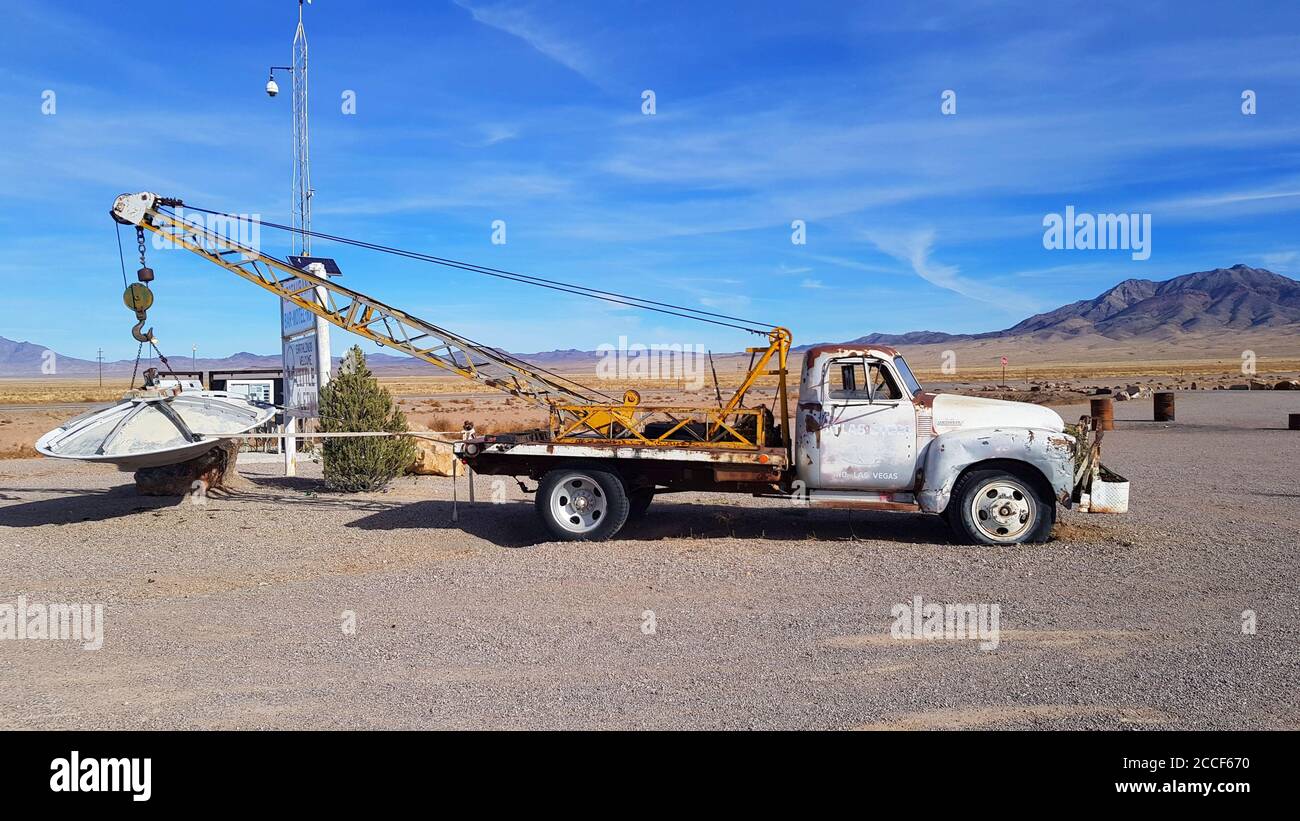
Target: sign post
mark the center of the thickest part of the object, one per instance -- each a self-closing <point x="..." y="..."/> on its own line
<point x="305" y="341"/>
<point x="1004" y="370"/>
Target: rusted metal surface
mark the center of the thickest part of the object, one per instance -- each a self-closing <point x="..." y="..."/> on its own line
<point x="678" y="426"/>
<point x="921" y="445"/>
<point x="854" y="443"/>
<point x="819" y="500"/>
<point x="818" y="351"/>
<point x="876" y="449"/>
<point x="1102" y="410"/>
<point x="595" y="449"/>
<point x="1050" y="454"/>
<point x="743" y="474"/>
<point x="1163" y="406"/>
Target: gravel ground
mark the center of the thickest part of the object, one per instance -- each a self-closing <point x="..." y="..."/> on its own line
<point x="229" y="614"/>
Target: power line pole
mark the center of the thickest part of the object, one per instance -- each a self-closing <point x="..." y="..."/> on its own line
<point x="100" y="357"/>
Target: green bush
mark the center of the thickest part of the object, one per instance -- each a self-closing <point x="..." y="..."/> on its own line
<point x="353" y="402"/>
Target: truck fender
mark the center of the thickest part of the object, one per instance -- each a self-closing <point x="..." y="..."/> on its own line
<point x="1050" y="452"/>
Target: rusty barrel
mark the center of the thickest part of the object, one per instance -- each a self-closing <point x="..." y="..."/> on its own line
<point x="1103" y="414"/>
<point x="1293" y="421"/>
<point x="1164" y="406"/>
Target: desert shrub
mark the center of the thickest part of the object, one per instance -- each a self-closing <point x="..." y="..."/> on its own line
<point x="353" y="402"/>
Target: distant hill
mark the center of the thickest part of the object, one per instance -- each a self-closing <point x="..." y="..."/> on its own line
<point x="1195" y="306"/>
<point x="28" y="359"/>
<point x="25" y="360"/>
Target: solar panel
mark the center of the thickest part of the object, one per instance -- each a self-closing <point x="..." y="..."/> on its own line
<point x="331" y="267"/>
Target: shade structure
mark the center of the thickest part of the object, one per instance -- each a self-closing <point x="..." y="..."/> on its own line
<point x="155" y="429"/>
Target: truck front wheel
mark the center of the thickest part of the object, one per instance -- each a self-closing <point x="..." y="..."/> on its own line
<point x="1000" y="508"/>
<point x="582" y="504"/>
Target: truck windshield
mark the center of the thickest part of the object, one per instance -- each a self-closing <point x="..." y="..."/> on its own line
<point x="913" y="387"/>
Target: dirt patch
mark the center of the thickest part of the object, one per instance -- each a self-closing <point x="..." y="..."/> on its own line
<point x="1030" y="715"/>
<point x="1074" y="531"/>
<point x="1047" y="638"/>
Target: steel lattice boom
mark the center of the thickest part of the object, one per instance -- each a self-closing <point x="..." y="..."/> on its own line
<point x="576" y="411"/>
<point x="354" y="311"/>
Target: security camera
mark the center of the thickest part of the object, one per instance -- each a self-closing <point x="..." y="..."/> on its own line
<point x="272" y="88"/>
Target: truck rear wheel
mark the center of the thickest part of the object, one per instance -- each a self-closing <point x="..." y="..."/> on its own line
<point x="999" y="508"/>
<point x="582" y="504"/>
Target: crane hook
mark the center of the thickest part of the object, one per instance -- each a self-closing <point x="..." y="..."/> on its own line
<point x="141" y="336"/>
<point x="139" y="298"/>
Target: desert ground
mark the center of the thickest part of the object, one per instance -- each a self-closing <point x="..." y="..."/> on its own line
<point x="716" y="611"/>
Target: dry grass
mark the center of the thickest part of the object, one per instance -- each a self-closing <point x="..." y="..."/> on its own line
<point x="55" y="389"/>
<point x="731" y="369"/>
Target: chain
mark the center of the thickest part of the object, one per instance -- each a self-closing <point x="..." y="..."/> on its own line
<point x="138" y="351"/>
<point x="139" y="240"/>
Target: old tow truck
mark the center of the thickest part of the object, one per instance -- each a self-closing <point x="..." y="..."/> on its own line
<point x="863" y="433"/>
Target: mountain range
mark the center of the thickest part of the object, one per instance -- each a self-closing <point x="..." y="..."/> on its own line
<point x="1222" y="309"/>
<point x="1207" y="303"/>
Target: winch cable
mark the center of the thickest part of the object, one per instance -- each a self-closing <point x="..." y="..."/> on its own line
<point x="749" y="325"/>
<point x="121" y="255"/>
<point x="577" y="387"/>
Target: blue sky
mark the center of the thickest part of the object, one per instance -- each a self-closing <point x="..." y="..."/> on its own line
<point x="531" y="113"/>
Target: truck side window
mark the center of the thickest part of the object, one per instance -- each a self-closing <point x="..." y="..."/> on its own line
<point x="848" y="380"/>
<point x="882" y="383"/>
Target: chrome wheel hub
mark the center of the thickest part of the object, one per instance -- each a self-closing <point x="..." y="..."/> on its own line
<point x="577" y="503"/>
<point x="1003" y="511"/>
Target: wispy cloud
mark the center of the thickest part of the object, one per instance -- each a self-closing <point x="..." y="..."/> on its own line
<point x="531" y="26"/>
<point x="915" y="248"/>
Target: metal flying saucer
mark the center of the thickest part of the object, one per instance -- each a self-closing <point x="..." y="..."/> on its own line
<point x="155" y="428"/>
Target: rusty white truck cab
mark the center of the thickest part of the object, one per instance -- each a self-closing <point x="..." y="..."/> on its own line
<point x="868" y="435"/>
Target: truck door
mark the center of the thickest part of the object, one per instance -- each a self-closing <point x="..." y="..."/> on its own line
<point x="868" y="441"/>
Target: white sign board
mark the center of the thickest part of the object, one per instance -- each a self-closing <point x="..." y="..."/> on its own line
<point x="293" y="319"/>
<point x="306" y="339"/>
<point x="301" y="377"/>
<point x="258" y="390"/>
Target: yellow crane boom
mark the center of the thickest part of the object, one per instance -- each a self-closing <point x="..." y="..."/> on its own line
<point x="577" y="413"/>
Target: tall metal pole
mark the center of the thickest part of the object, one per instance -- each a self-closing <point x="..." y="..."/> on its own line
<point x="301" y="160"/>
<point x="303" y="192"/>
<point x="301" y="196"/>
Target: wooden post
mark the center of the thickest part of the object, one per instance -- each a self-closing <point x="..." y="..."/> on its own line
<point x="290" y="446"/>
<point x="1103" y="414"/>
<point x="1163" y="406"/>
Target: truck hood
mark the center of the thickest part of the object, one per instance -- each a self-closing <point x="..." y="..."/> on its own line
<point x="954" y="411"/>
